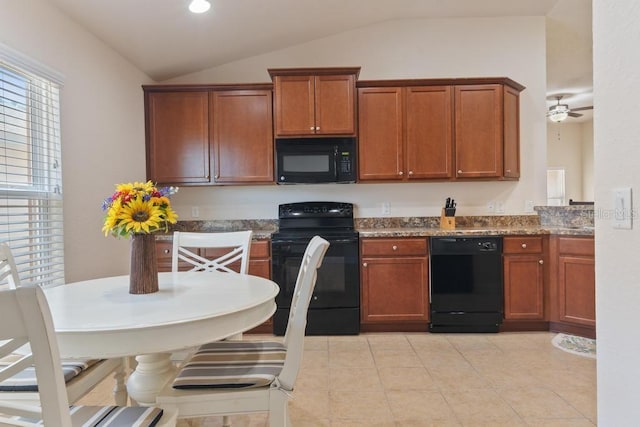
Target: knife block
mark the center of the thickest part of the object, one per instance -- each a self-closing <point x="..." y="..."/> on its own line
<point x="447" y="222"/>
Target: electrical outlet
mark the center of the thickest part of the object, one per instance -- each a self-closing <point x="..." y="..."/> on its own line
<point x="491" y="207"/>
<point x="499" y="207"/>
<point x="195" y="212"/>
<point x="528" y="206"/>
<point x="386" y="208"/>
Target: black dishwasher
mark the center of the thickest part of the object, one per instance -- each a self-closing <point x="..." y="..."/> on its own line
<point x="466" y="284"/>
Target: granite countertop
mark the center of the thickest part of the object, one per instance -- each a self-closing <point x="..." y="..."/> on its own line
<point x="555" y="220"/>
<point x="474" y="231"/>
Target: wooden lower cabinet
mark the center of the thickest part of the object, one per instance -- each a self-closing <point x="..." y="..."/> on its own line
<point x="524" y="263"/>
<point x="394" y="284"/>
<point x="574" y="285"/>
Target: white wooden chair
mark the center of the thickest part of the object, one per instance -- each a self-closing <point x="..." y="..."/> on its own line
<point x="83" y="375"/>
<point x="31" y="325"/>
<point x="230" y="254"/>
<point x="243" y="377"/>
<point x="237" y="243"/>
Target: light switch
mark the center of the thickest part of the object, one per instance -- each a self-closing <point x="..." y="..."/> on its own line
<point x="622" y="208"/>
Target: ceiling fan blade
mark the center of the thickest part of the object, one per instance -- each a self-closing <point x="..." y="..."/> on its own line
<point x="590" y="107"/>
<point x="572" y="114"/>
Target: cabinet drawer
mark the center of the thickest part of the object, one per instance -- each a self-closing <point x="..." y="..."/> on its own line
<point x="576" y="246"/>
<point x="374" y="247"/>
<point x="522" y="245"/>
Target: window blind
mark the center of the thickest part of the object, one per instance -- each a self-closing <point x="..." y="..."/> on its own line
<point x="30" y="174"/>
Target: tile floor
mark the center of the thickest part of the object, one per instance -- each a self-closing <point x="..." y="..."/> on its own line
<point x="411" y="379"/>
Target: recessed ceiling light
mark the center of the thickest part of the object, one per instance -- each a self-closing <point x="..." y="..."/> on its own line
<point x="199" y="6"/>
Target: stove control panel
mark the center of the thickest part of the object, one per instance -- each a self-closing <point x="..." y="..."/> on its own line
<point x="316" y="209"/>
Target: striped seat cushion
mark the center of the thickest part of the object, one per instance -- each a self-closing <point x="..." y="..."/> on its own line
<point x="25" y="380"/>
<point x="112" y="416"/>
<point x="232" y="364"/>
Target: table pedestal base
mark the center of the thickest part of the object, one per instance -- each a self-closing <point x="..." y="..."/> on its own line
<point x="150" y="375"/>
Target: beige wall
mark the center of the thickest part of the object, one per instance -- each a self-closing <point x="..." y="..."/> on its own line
<point x="102" y="127"/>
<point x="616" y="81"/>
<point x="422" y="48"/>
<point x="570" y="146"/>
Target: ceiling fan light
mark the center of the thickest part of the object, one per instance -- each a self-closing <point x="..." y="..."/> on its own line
<point x="558" y="116"/>
<point x="558" y="113"/>
<point x="199" y="6"/>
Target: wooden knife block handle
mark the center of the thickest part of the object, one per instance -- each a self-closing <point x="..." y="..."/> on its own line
<point x="447" y="222"/>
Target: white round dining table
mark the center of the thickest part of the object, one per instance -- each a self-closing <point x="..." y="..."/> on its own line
<point x="100" y="319"/>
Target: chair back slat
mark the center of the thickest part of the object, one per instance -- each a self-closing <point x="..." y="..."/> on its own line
<point x="237" y="245"/>
<point x="294" y="335"/>
<point x="8" y="270"/>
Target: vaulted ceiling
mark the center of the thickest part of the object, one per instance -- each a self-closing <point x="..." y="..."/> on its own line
<point x="165" y="40"/>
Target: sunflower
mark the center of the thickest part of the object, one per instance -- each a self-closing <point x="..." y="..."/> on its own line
<point x="138" y="207"/>
<point x="140" y="216"/>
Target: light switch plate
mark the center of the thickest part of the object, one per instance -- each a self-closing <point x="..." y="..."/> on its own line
<point x="622" y="208"/>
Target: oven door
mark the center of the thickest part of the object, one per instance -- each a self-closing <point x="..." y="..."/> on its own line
<point x="338" y="282"/>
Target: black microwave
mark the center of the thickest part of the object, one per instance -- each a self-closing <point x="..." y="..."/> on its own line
<point x="315" y="160"/>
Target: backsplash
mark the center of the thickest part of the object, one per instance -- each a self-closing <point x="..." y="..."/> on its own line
<point x="566" y="216"/>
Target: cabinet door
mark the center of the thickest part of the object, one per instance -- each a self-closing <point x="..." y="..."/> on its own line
<point x="576" y="290"/>
<point x="478" y="131"/>
<point x="511" y="133"/>
<point x="295" y="109"/>
<point x="380" y="134"/>
<point x="242" y="136"/>
<point x="524" y="287"/>
<point x="178" y="137"/>
<point x="394" y="289"/>
<point x="429" y="131"/>
<point x="335" y="111"/>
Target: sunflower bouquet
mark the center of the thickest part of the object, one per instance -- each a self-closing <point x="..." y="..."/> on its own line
<point x="138" y="208"/>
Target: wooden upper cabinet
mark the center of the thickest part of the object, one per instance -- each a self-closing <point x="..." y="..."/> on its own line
<point x="380" y="142"/>
<point x="405" y="133"/>
<point x="511" y="133"/>
<point x="177" y="137"/>
<point x="487" y="130"/>
<point x="209" y="134"/>
<point x="478" y="137"/>
<point x="242" y="135"/>
<point x="428" y="131"/>
<point x="318" y="101"/>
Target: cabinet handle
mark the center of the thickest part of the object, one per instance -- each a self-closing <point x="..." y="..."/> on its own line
<point x="312" y="128"/>
<point x="400" y="173"/>
<point x="166" y="251"/>
<point x="217" y="176"/>
<point x="541" y="262"/>
<point x="508" y="170"/>
<point x="524" y="246"/>
<point x="410" y="172"/>
<point x="364" y="264"/>
<point x="317" y="127"/>
<point x="394" y="247"/>
<point x="459" y="170"/>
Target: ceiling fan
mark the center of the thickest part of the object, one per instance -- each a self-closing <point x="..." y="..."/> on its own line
<point x="560" y="112"/>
